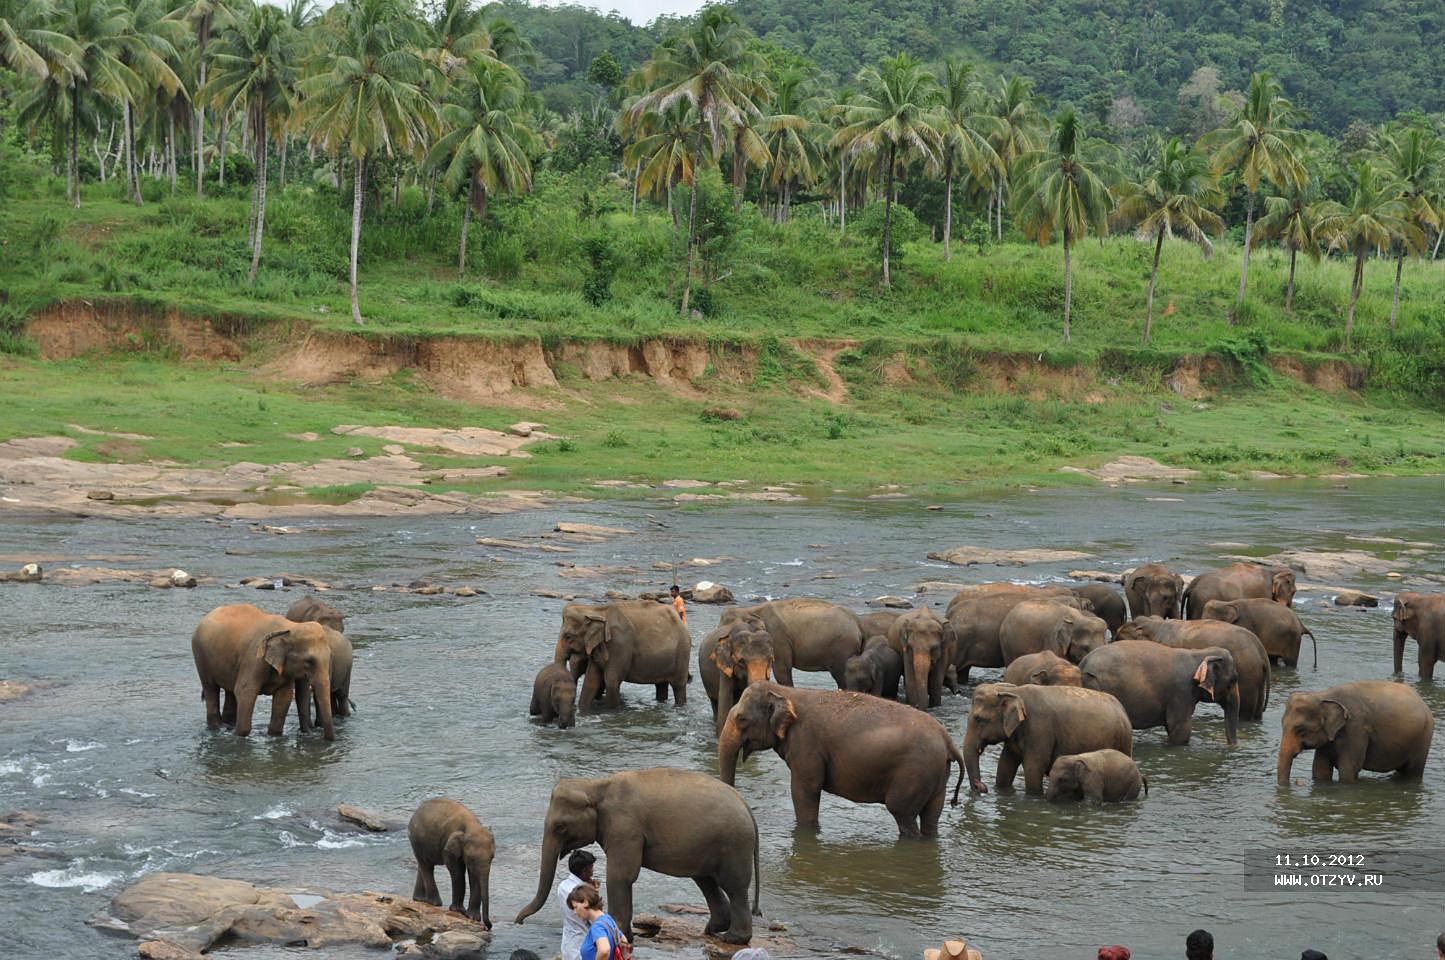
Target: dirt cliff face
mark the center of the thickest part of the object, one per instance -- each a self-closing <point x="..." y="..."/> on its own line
<point x="78" y="327"/>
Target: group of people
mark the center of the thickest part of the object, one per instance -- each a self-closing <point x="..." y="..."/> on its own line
<point x="1199" y="945"/>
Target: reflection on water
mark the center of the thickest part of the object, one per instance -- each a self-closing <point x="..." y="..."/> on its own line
<point x="114" y="752"/>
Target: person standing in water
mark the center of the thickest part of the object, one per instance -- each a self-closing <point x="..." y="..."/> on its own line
<point x="678" y="604"/>
<point x="604" y="940"/>
<point x="579" y="874"/>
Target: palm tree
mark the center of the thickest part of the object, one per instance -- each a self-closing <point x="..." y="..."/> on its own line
<point x="892" y="121"/>
<point x="1257" y="144"/>
<point x="252" y="64"/>
<point x="662" y="154"/>
<point x="365" y="96"/>
<point x="489" y="144"/>
<point x="1375" y="216"/>
<point x="145" y="46"/>
<point x="1293" y="218"/>
<point x="95" y="27"/>
<point x="711" y="67"/>
<point x="27" y="46"/>
<point x="1415" y="157"/>
<point x="965" y="136"/>
<point x="1172" y="199"/>
<point x="1062" y="187"/>
<point x="790" y="133"/>
<point x="1019" y="128"/>
<point x="204" y="16"/>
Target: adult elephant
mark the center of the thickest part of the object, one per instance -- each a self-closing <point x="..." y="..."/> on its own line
<point x="729" y="659"/>
<point x="630" y="641"/>
<point x="1160" y="685"/>
<point x="1036" y="726"/>
<point x="1366" y="725"/>
<point x="1107" y="602"/>
<point x="1238" y="581"/>
<point x="248" y="653"/>
<point x="808" y="635"/>
<point x="444" y="832"/>
<point x="676" y="822"/>
<point x="858" y="747"/>
<point x="1250" y="658"/>
<point x="1275" y="624"/>
<point x="1044" y="668"/>
<point x="311" y="609"/>
<point x="1422" y="616"/>
<point x="919" y="637"/>
<point x="976" y="621"/>
<point x="1027" y="590"/>
<point x="1037" y="625"/>
<point x="875" y="623"/>
<point x="876" y="671"/>
<point x="1154" y="590"/>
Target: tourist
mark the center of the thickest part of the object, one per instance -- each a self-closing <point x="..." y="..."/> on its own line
<point x="678" y="604"/>
<point x="1115" y="952"/>
<point x="603" y="934"/>
<point x="579" y="873"/>
<point x="1199" y="945"/>
<point x="1440" y="947"/>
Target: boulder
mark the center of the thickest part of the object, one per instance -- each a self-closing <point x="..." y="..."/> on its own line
<point x="452" y="945"/>
<point x="362" y="818"/>
<point x="161" y="583"/>
<point x="99" y="495"/>
<point x="707" y="592"/>
<point x="465" y="591"/>
<point x="897" y="603"/>
<point x="355" y="452"/>
<point x="968" y="556"/>
<point x="30" y="573"/>
<point x="429" y="591"/>
<point x="165" y="950"/>
<point x="1356" y="598"/>
<point x="13" y="690"/>
<point x="1102" y="576"/>
<point x="179" y="578"/>
<point x="591" y="529"/>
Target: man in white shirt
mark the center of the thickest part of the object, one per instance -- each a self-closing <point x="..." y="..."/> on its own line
<point x="579" y="871"/>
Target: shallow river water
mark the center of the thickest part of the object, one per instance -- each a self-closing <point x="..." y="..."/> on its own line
<point x="113" y="750"/>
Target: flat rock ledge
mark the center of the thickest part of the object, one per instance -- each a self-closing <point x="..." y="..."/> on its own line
<point x="180" y="916"/>
<point x="968" y="556"/>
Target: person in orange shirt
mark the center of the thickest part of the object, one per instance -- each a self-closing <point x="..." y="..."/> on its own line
<point x="678" y="604"/>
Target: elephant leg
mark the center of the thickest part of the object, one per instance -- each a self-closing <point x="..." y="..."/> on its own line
<point x="425" y="889"/>
<point x="623" y="866"/>
<point x="1035" y="769"/>
<point x="212" y="695"/>
<point x="245" y="707"/>
<point x="935" y="686"/>
<point x="661" y="692"/>
<point x="1179" y="723"/>
<point x="303" y="705"/>
<point x="1349" y="767"/>
<point x="1008" y="766"/>
<point x="280" y="706"/>
<point x="783" y="672"/>
<point x="228" y="709"/>
<point x="1414" y="769"/>
<point x="805" y="803"/>
<point x="679" y="691"/>
<point x="1427" y="662"/>
<point x="1323" y="769"/>
<point x="591" y="687"/>
<point x="740" y="922"/>
<point x="932" y="812"/>
<point x="950" y="679"/>
<point x="719" y="912"/>
<point x="458" y="873"/>
<point x="341" y="701"/>
<point x="960" y="675"/>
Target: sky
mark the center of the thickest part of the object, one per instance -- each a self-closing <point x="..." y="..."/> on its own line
<point x="640" y="11"/>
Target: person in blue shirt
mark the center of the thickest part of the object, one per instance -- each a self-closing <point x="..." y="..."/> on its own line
<point x="603" y="935"/>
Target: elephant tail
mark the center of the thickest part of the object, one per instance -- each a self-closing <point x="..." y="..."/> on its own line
<point x="1145" y="781"/>
<point x="955" y="754"/>
<point x="1314" y="644"/>
<point x="1184" y="601"/>
<point x="757" y="867"/>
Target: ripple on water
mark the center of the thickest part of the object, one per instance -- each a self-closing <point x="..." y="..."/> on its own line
<point x="76" y="875"/>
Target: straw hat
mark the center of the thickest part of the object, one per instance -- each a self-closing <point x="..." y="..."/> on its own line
<point x="952" y="950"/>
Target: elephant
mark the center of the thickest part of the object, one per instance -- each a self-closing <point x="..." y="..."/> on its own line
<point x="1099" y="776"/>
<point x="1108" y="604"/>
<point x="1154" y="591"/>
<point x="1160" y="685"/>
<point x="677" y="822"/>
<point x="858" y="747"/>
<point x="1044" y="668"/>
<point x="1238" y="581"/>
<point x="877" y="670"/>
<point x="314" y="610"/>
<point x="1036" y="726"/>
<point x="1422" y="616"/>
<point x="920" y="638"/>
<point x="1036" y="625"/>
<point x="554" y="696"/>
<point x="975" y="590"/>
<point x="248" y="652"/>
<point x="1275" y="624"/>
<point x="443" y="831"/>
<point x="1365" y="725"/>
<point x="876" y="622"/>
<point x="808" y="634"/>
<point x="1250" y="658"/>
<point x="730" y="658"/>
<point x="976" y="621"/>
<point x="630" y="641"/>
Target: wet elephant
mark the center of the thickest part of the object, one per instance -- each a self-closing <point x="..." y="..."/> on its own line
<point x="1108" y="604"/>
<point x="877" y="670"/>
<point x="630" y="641"/>
<point x="1275" y="624"/>
<point x="677" y="822"/>
<point x="731" y="657"/>
<point x="1238" y="581"/>
<point x="1036" y="625"/>
<point x="554" y="696"/>
<point x="443" y="832"/>
<point x="919" y="638"/>
<point x="875" y="623"/>
<point x="1160" y="685"/>
<point x="808" y="635"/>
<point x="1044" y="668"/>
<point x="1371" y="725"/>
<point x="1250" y="658"/>
<point x="976" y="621"/>
<point x="1099" y="776"/>
<point x="309" y="608"/>
<point x="858" y="747"/>
<point x="1153" y="590"/>
<point x="1422" y="616"/>
<point x="1028" y="590"/>
<point x="1036" y="726"/>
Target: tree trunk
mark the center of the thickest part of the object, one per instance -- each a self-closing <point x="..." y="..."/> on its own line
<point x="285" y="142"/>
<point x="171" y="147"/>
<point x="221" y="150"/>
<point x="357" y="187"/>
<point x="132" y="185"/>
<point x="1289" y="287"/>
<point x="255" y="186"/>
<point x="1000" y="210"/>
<point x="1435" y="254"/>
<point x="888" y="218"/>
<point x="396" y="188"/>
<point x="636" y="175"/>
<point x="201" y="132"/>
<point x="1153" y="277"/>
<point x="948" y="210"/>
<point x="739" y="176"/>
<point x="1244" y="265"/>
<point x="431" y="191"/>
<point x="466" y="223"/>
<point x="843" y="194"/>
<point x="691" y="222"/>
<point x="1068" y="284"/>
<point x="1395" y="307"/>
<point x="74" y="171"/>
<point x="1356" y="283"/>
<point x="261" y="205"/>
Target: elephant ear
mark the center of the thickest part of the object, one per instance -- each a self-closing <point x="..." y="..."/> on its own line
<point x="1091" y="781"/>
<point x="453" y="847"/>
<point x="273" y="649"/>
<point x="1280" y="582"/>
<point x="781" y="715"/>
<point x="1207" y="674"/>
<point x="1040" y="676"/>
<point x="1062" y="637"/>
<point x="722" y="656"/>
<point x="1333" y="716"/>
<point x="1403" y="611"/>
<point x="598" y="634"/>
<point x="1014" y="713"/>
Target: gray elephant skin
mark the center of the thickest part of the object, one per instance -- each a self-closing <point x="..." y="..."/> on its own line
<point x="1036" y="625"/>
<point x="1107" y="602"/>
<point x="1371" y="725"/>
<point x="310" y="609"/>
<point x="729" y="659"/>
<point x="443" y="832"/>
<point x="922" y="639"/>
<point x="1250" y="658"/>
<point x="857" y="747"/>
<point x="1160" y="685"/>
<point x="807" y="634"/>
<point x="1099" y="776"/>
<point x="1422" y="616"/>
<point x="554" y="696"/>
<point x="631" y="641"/>
<point x="975" y="622"/>
<point x="1154" y="590"/>
<point x="1044" y="668"/>
<point x="1276" y="625"/>
<point x="1238" y="581"/>
<point x="1036" y="726"/>
<point x="676" y="822"/>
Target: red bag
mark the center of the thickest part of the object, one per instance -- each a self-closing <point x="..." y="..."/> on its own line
<point x="621" y="948"/>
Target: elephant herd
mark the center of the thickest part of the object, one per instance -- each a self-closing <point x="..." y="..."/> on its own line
<point x="1084" y="667"/>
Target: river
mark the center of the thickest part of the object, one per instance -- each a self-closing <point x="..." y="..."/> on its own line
<point x="113" y="751"/>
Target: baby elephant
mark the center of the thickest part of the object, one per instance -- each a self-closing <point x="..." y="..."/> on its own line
<point x="1045" y="668"/>
<point x="1100" y="776"/>
<point x="554" y="696"/>
<point x="877" y="670"/>
<point x="443" y="831"/>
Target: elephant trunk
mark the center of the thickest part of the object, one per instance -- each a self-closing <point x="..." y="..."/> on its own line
<point x="1399" y="649"/>
<point x="485" y="878"/>
<point x="918" y="679"/>
<point x="730" y="741"/>
<point x="758" y="671"/>
<point x="321" y="686"/>
<point x="1231" y="714"/>
<point x="972" y="747"/>
<point x="551" y="853"/>
<point x="1289" y="748"/>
